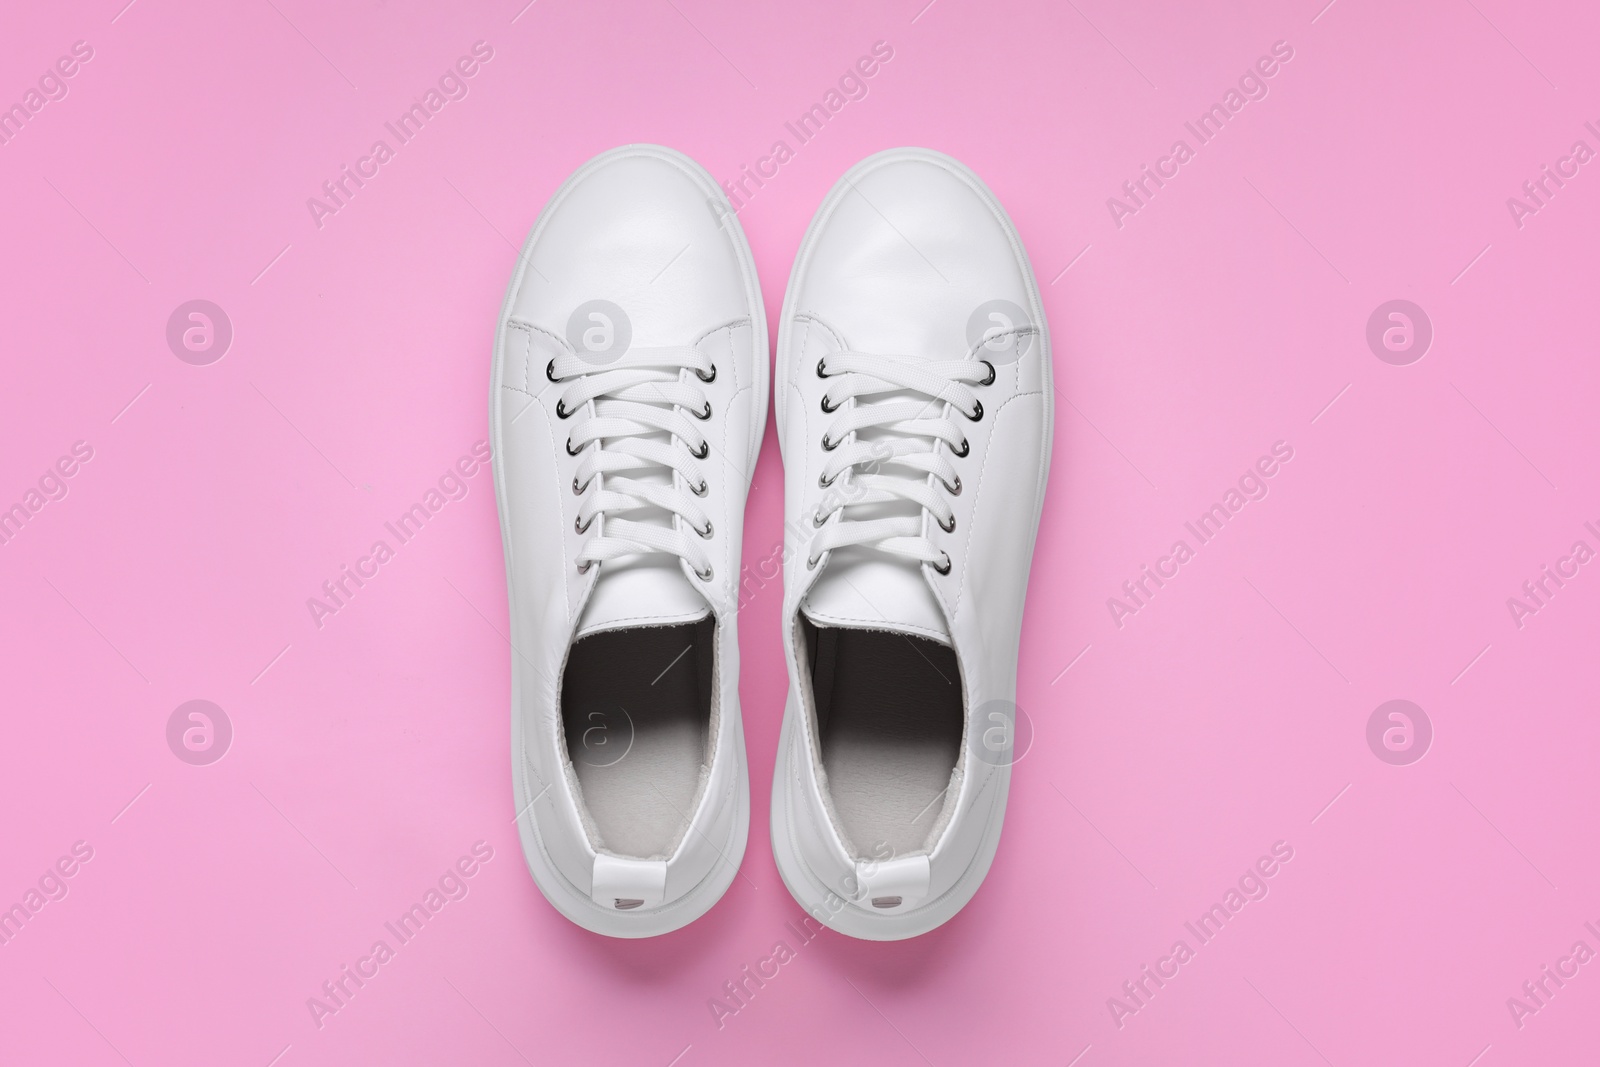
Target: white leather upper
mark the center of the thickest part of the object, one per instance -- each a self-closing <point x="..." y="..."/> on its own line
<point x="903" y="253"/>
<point x="637" y="227"/>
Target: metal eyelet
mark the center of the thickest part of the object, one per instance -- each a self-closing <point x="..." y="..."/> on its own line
<point x="579" y="526"/>
<point x="570" y="452"/>
<point x="966" y="449"/>
<point x="705" y="450"/>
<point x="820" y="372"/>
<point x="819" y="520"/>
<point x="706" y="533"/>
<point x="990" y="379"/>
<point x="550" y="371"/>
<point x="826" y="482"/>
<point x="708" y="378"/>
<point x="703" y="416"/>
<point x="705" y="575"/>
<point x="583" y="567"/>
<point x="826" y="410"/>
<point x="947" y="565"/>
<point x="577" y="490"/>
<point x="702" y="489"/>
<point x="953" y="490"/>
<point x="828" y="446"/>
<point x="561" y="410"/>
<point x="976" y="416"/>
<point x="812" y="561"/>
<point x="951" y="527"/>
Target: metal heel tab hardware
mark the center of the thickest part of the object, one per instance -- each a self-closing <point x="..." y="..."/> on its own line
<point x="623" y="884"/>
<point x="892" y="885"/>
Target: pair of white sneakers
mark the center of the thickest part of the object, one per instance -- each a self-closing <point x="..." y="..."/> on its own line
<point x="914" y="410"/>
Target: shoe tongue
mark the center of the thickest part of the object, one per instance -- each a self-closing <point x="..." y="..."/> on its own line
<point x="641" y="591"/>
<point x="865" y="590"/>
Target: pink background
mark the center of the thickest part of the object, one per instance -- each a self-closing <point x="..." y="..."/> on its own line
<point x="1230" y="713"/>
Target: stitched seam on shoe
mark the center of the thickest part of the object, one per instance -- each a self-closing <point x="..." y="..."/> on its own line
<point x="732" y="324"/>
<point x="811" y="318"/>
<point x="729" y="585"/>
<point x="530" y="328"/>
<point x="635" y="618"/>
<point x="810" y="491"/>
<point x="977" y="497"/>
<point x="844" y="622"/>
<point x="527" y="369"/>
<point x="753" y="434"/>
<point x="733" y="364"/>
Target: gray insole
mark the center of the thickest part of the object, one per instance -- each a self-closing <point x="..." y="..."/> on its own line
<point x="890" y="715"/>
<point x="636" y="708"/>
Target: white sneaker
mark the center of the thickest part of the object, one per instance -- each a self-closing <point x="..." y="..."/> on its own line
<point x="914" y="412"/>
<point x="628" y="402"/>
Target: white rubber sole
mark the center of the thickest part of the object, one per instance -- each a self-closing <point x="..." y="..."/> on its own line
<point x="809" y="890"/>
<point x="567" y="898"/>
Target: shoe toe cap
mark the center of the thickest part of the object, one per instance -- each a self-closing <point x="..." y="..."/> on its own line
<point x="912" y="248"/>
<point x="641" y="228"/>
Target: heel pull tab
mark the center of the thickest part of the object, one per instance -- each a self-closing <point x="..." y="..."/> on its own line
<point x="893" y="885"/>
<point x="628" y="884"/>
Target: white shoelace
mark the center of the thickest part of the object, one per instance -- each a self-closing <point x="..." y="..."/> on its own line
<point x="907" y="431"/>
<point x="637" y="422"/>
